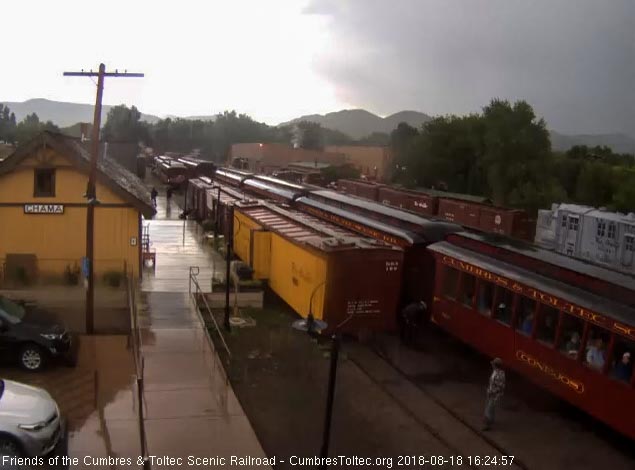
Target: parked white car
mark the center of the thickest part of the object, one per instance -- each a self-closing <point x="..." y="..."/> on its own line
<point x="30" y="421"/>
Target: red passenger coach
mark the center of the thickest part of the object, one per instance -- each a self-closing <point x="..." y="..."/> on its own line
<point x="569" y="340"/>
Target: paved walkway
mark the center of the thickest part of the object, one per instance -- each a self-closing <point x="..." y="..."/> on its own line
<point x="191" y="409"/>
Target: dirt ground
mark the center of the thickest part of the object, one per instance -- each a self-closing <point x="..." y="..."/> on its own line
<point x="280" y="378"/>
<point x="543" y="431"/>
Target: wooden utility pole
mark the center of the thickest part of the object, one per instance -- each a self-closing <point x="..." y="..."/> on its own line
<point x="91" y="194"/>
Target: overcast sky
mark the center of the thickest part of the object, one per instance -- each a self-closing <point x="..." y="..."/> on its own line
<point x="573" y="60"/>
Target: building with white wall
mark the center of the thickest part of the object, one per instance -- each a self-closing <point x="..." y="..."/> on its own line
<point x="596" y="235"/>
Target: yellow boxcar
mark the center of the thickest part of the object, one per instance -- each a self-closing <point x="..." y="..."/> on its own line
<point x="315" y="267"/>
<point x="298" y="275"/>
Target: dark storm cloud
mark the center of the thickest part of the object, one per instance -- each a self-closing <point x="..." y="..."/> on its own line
<point x="572" y="60"/>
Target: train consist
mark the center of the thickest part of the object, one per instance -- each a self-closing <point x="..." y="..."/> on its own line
<point x="470" y="211"/>
<point x="562" y="323"/>
<point x="175" y="171"/>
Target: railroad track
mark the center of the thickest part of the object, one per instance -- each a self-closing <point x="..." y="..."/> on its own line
<point x="383" y="384"/>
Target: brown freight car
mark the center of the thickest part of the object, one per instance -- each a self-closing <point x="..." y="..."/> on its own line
<point x="459" y="212"/>
<point x="196" y="197"/>
<point x="352" y="283"/>
<point x="510" y="222"/>
<point x="416" y="201"/>
<point x="365" y="189"/>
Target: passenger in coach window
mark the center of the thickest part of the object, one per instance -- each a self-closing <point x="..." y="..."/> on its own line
<point x="624" y="368"/>
<point x="528" y="324"/>
<point x="595" y="356"/>
<point x="573" y="345"/>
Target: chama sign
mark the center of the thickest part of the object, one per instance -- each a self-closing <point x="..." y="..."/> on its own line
<point x="43" y="208"/>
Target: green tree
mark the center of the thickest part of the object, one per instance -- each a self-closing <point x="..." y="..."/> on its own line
<point x="334" y="137"/>
<point x="30" y="126"/>
<point x="124" y="124"/>
<point x="311" y="135"/>
<point x="624" y="193"/>
<point x="7" y="124"/>
<point x="334" y="173"/>
<point x="380" y="139"/>
<point x="595" y="185"/>
<point x="517" y="153"/>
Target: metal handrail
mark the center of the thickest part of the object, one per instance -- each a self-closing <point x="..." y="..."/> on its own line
<point x="139" y="367"/>
<point x="194" y="270"/>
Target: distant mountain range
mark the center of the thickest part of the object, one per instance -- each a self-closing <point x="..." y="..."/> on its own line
<point x="61" y="113"/>
<point x="620" y="143"/>
<point x="357" y="123"/>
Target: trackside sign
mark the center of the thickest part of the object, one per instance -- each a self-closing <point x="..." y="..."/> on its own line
<point x="43" y="208"/>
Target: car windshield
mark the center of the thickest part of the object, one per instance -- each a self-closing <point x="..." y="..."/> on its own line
<point x="10" y="311"/>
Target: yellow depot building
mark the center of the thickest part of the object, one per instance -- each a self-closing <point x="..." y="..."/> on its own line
<point x="43" y="211"/>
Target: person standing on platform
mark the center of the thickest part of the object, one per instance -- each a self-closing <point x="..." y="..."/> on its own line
<point x="495" y="390"/>
<point x="153" y="196"/>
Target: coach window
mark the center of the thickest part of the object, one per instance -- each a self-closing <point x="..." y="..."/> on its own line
<point x="504" y="302"/>
<point x="468" y="289"/>
<point x="526" y="315"/>
<point x="622" y="359"/>
<point x="485" y="297"/>
<point x="571" y="335"/>
<point x="595" y="349"/>
<point x="547" y="324"/>
<point x="450" y="282"/>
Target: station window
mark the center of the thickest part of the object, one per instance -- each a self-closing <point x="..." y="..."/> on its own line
<point x="468" y="288"/>
<point x="485" y="298"/>
<point x="564" y="221"/>
<point x="450" y="282"/>
<point x="601" y="228"/>
<point x="629" y="243"/>
<point x="571" y="336"/>
<point x="526" y="310"/>
<point x="504" y="305"/>
<point x="547" y="324"/>
<point x="44" y="182"/>
<point x="622" y="365"/>
<point x="612" y="229"/>
<point x="595" y="350"/>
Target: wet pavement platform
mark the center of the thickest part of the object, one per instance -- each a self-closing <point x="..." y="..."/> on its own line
<point x="96" y="399"/>
<point x="190" y="407"/>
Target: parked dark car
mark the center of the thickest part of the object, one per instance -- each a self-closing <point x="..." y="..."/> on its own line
<point x="31" y="336"/>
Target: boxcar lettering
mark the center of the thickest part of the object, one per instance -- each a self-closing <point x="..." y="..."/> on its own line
<point x="623" y="329"/>
<point x="363" y="307"/>
<point x="541" y="296"/>
<point x="578" y="387"/>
